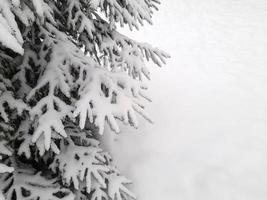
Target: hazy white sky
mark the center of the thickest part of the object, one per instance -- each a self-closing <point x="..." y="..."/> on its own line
<point x="209" y="140"/>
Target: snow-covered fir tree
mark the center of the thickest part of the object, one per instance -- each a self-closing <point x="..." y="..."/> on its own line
<point x="65" y="71"/>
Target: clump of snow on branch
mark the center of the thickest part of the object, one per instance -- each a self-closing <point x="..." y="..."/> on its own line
<point x="4" y="151"/>
<point x="128" y="12"/>
<point x="24" y="184"/>
<point x="84" y="164"/>
<point x="4" y="168"/>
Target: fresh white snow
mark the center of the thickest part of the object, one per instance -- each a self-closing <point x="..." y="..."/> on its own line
<point x="209" y="140"/>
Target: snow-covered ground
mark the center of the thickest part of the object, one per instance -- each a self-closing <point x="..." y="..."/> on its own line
<point x="209" y="140"/>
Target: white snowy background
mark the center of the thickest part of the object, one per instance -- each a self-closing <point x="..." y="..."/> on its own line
<point x="209" y="139"/>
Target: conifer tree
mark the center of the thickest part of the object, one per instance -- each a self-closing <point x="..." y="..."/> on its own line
<point x="65" y="72"/>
